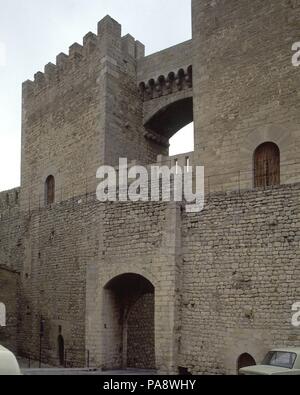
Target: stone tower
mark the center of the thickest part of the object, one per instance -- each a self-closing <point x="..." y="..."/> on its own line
<point x="80" y="113"/>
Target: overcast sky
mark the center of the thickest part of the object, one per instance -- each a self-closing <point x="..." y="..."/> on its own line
<point x="33" y="32"/>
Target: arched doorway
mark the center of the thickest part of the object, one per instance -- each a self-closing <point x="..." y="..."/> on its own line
<point x="266" y="165"/>
<point x="128" y="307"/>
<point x="244" y="361"/>
<point x="61" y="350"/>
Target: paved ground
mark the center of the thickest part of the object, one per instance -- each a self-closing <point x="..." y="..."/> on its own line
<point x="86" y="372"/>
<point x="31" y="368"/>
<point x="26" y="364"/>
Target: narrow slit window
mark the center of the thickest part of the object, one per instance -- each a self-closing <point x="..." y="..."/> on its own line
<point x="50" y="190"/>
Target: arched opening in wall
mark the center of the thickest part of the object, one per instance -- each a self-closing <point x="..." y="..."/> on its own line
<point x="128" y="313"/>
<point x="266" y="165"/>
<point x="244" y="361"/>
<point x="61" y="350"/>
<point x="172" y="128"/>
<point x="49" y="190"/>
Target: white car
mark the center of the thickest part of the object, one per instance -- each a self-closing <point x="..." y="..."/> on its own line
<point x="278" y="362"/>
<point x="8" y="363"/>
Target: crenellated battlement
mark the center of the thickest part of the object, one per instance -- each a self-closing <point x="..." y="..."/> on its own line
<point x="107" y="42"/>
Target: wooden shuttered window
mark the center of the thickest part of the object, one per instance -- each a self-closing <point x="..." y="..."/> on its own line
<point x="267" y="165"/>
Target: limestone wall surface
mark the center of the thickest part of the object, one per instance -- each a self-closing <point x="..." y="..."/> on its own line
<point x="9" y="282"/>
<point x="12" y="230"/>
<point x="240" y="278"/>
<point x="225" y="279"/>
<point x="164" y="62"/>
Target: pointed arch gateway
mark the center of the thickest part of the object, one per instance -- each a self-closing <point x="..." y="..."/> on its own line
<point x="129" y="329"/>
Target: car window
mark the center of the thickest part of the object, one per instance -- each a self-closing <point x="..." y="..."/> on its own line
<point x="280" y="359"/>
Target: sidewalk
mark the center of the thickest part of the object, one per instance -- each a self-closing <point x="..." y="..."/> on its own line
<point x="86" y="372"/>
